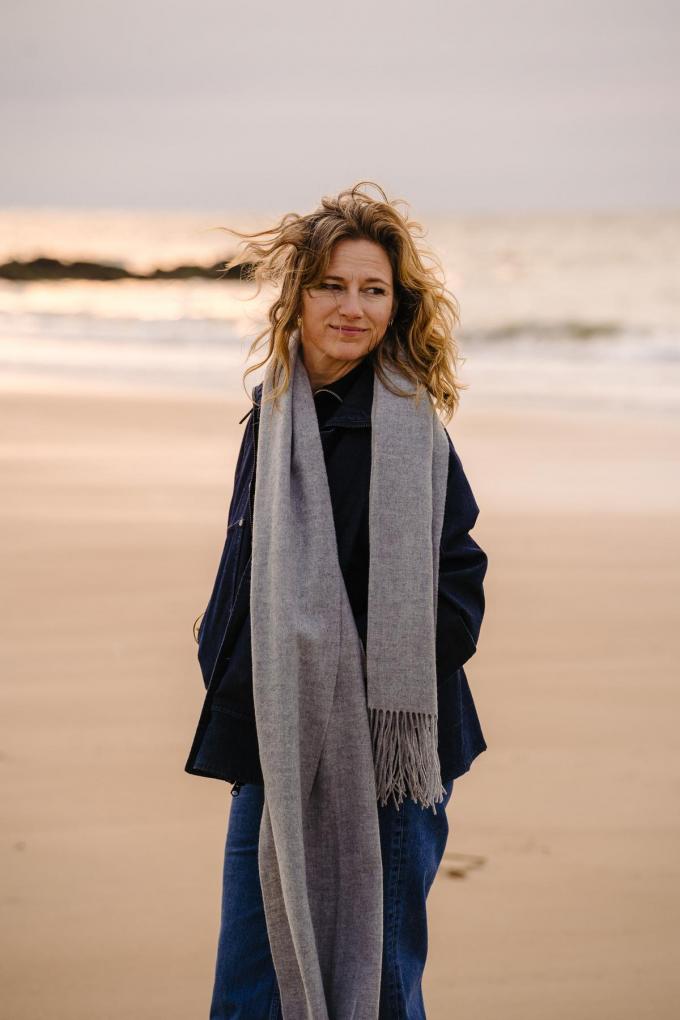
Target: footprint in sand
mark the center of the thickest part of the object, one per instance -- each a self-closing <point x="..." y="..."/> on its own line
<point x="456" y="865"/>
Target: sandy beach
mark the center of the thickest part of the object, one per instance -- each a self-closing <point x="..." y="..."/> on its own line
<point x="559" y="895"/>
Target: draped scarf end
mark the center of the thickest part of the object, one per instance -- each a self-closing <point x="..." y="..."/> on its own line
<point x="405" y="756"/>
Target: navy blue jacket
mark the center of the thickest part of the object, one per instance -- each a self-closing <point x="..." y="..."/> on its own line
<point x="225" y="743"/>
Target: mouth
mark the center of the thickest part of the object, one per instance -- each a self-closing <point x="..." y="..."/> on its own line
<point x="348" y="330"/>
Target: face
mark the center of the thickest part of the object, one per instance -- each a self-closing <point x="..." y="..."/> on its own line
<point x="347" y="314"/>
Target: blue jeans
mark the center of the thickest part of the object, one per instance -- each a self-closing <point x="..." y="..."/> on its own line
<point x="412" y="841"/>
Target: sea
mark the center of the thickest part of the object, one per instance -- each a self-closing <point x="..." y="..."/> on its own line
<point x="562" y="310"/>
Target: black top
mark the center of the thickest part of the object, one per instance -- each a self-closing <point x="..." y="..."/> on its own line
<point x="349" y="476"/>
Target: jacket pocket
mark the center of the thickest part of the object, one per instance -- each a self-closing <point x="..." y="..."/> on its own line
<point x="233" y="690"/>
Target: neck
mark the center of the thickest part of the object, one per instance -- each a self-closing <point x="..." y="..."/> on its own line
<point x="320" y="376"/>
<point x="317" y="382"/>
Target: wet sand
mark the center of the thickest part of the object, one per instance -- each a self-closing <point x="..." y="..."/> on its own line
<point x="559" y="895"/>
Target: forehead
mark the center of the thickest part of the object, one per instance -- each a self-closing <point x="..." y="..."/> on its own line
<point x="360" y="257"/>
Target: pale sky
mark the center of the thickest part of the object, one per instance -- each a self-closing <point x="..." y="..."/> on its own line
<point x="481" y="106"/>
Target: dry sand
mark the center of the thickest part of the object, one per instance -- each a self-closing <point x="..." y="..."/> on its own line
<point x="559" y="895"/>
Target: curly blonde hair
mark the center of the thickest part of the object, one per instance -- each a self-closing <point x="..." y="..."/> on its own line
<point x="294" y="254"/>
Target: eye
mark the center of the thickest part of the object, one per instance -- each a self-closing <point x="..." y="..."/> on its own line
<point x="329" y="286"/>
<point x="377" y="290"/>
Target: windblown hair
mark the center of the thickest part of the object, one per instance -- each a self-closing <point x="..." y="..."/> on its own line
<point x="295" y="254"/>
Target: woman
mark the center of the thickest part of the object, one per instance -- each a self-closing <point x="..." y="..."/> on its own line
<point x="348" y="596"/>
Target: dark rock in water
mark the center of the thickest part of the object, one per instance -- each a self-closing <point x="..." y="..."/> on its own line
<point x="214" y="272"/>
<point x="53" y="269"/>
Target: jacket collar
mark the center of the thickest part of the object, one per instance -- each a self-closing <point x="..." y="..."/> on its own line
<point x="357" y="403"/>
<point x="357" y="398"/>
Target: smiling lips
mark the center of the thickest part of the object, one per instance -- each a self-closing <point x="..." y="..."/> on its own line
<point x="348" y="329"/>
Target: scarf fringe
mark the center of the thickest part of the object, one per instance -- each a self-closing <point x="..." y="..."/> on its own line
<point x="405" y="756"/>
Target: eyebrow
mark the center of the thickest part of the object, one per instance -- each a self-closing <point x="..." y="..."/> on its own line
<point x="371" y="279"/>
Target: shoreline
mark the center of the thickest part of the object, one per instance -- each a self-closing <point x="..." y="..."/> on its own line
<point x="474" y="400"/>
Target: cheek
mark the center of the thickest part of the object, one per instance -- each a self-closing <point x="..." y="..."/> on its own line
<point x="310" y="311"/>
<point x="307" y="314"/>
<point x="313" y="322"/>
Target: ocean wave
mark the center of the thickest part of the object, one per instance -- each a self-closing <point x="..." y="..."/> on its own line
<point x="572" y="329"/>
<point x="573" y="338"/>
<point x="540" y="340"/>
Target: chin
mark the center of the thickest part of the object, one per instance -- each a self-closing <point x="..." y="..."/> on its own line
<point x="347" y="349"/>
<point x="363" y="340"/>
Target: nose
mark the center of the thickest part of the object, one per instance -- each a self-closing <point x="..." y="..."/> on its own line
<point x="350" y="305"/>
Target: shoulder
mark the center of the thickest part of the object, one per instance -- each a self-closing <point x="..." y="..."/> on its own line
<point x="255" y="396"/>
<point x="257" y="399"/>
<point x="460" y="497"/>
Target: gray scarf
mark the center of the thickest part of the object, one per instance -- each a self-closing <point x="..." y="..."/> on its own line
<point x="331" y="747"/>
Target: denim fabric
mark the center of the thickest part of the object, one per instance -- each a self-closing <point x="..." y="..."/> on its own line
<point x="412" y="842"/>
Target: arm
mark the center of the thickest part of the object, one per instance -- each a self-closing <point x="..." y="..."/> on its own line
<point x="462" y="567"/>
<point x="219" y="605"/>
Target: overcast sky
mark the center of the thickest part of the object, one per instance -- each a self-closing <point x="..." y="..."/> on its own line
<point x="481" y="106"/>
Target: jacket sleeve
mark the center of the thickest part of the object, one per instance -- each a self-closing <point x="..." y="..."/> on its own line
<point x="221" y="592"/>
<point x="462" y="567"/>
